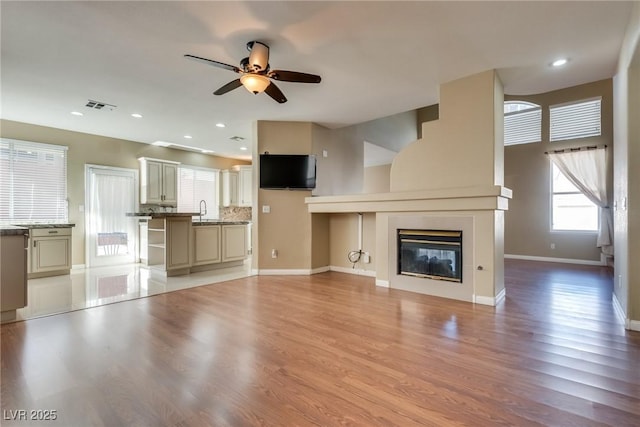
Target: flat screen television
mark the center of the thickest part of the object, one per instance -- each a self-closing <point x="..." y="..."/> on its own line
<point x="287" y="171"/>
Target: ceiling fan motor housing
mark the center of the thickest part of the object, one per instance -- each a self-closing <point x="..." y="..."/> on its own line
<point x="259" y="56"/>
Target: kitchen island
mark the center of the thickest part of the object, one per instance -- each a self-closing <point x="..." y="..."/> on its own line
<point x="176" y="243"/>
<point x="13" y="270"/>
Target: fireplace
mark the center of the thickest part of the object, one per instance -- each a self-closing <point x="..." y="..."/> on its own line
<point x="433" y="254"/>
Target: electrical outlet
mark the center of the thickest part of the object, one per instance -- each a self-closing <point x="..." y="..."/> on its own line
<point x="553" y="246"/>
<point x="274" y="253"/>
<point x="366" y="258"/>
<point x="266" y="209"/>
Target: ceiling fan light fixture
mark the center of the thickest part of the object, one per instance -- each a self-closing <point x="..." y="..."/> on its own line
<point x="255" y="83"/>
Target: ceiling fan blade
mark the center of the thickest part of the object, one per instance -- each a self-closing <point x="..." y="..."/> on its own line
<point x="273" y="91"/>
<point x="228" y="87"/>
<point x="294" y="76"/>
<point x="214" y="63"/>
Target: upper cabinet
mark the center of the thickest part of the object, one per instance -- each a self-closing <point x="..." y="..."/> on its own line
<point x="158" y="182"/>
<point x="237" y="186"/>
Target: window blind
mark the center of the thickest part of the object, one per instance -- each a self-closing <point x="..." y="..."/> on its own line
<point x="523" y="127"/>
<point x="33" y="182"/>
<point x="575" y="120"/>
<point x="196" y="184"/>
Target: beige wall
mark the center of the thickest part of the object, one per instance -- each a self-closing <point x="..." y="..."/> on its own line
<point x="377" y="179"/>
<point x="288" y="227"/>
<point x="427" y="114"/>
<point x="98" y="150"/>
<point x="627" y="172"/>
<point x="527" y="173"/>
<point x="344" y="239"/>
<point x="460" y="148"/>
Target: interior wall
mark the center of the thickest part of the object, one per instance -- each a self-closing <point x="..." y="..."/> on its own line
<point x="427" y="114"/>
<point x="344" y="239"/>
<point x="98" y="150"/>
<point x="528" y="174"/>
<point x="341" y="171"/>
<point x="377" y="179"/>
<point x="626" y="174"/>
<point x="287" y="229"/>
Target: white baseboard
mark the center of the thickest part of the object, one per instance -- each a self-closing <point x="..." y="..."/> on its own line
<point x="356" y="271"/>
<point x="320" y="269"/>
<point x="633" y="325"/>
<point x="382" y="283"/>
<point x="78" y="266"/>
<point x="254" y="271"/>
<point x="561" y="260"/>
<point x="492" y="301"/>
<point x="617" y="307"/>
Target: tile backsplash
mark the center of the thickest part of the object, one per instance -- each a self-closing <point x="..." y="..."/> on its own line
<point x="235" y="213"/>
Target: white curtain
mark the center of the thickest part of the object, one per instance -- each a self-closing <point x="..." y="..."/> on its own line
<point x="587" y="170"/>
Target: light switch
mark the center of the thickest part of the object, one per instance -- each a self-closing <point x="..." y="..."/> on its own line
<point x="266" y="209"/>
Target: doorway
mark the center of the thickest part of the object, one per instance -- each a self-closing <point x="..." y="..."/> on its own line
<point x="111" y="236"/>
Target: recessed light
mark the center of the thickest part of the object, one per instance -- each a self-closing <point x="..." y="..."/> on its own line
<point x="243" y="148"/>
<point x="220" y="125"/>
<point x="77" y="113"/>
<point x="559" y="62"/>
<point x="161" y="144"/>
<point x="188" y="136"/>
<point x="207" y="151"/>
<point x="136" y="115"/>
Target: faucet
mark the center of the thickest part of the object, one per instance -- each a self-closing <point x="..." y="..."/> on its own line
<point x="205" y="209"/>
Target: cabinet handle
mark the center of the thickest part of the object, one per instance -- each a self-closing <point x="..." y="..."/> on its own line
<point x="53" y="232"/>
<point x="34" y="243"/>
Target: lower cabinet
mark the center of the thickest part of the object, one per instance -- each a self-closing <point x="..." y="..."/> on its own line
<point x="178" y="234"/>
<point x="234" y="242"/>
<point x="13" y="275"/>
<point x="206" y="245"/>
<point x="49" y="251"/>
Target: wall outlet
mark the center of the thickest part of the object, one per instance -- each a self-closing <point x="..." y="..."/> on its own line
<point x="366" y="258"/>
<point x="553" y="246"/>
<point x="266" y="209"/>
<point x="274" y="253"/>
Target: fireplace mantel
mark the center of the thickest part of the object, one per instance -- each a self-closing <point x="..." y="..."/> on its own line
<point x="450" y="199"/>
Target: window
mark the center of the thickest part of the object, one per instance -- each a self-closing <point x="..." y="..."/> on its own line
<point x="522" y="122"/>
<point x="571" y="210"/>
<point x="196" y="184"/>
<point x="33" y="182"/>
<point x="575" y="120"/>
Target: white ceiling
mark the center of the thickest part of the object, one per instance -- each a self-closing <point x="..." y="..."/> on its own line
<point x="376" y="59"/>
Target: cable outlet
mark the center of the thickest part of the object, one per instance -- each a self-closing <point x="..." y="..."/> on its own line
<point x="366" y="258"/>
<point x="274" y="253"/>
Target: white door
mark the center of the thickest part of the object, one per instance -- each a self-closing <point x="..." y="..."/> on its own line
<point x="111" y="236"/>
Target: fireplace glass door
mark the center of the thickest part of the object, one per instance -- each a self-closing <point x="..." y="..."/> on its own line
<point x="434" y="254"/>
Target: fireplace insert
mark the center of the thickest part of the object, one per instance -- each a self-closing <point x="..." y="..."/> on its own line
<point x="433" y="254"/>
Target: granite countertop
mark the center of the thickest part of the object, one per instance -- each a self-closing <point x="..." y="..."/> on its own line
<point x="46" y="225"/>
<point x="13" y="230"/>
<point x="161" y="214"/>
<point x="197" y="223"/>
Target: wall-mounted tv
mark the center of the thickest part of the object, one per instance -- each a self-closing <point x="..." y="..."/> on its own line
<point x="287" y="171"/>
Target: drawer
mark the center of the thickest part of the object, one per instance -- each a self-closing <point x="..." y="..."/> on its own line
<point x="50" y="232"/>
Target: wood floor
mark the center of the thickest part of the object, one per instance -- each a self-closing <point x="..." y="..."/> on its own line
<point x="332" y="349"/>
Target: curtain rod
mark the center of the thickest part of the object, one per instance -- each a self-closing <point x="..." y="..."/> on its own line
<point x="566" y="150"/>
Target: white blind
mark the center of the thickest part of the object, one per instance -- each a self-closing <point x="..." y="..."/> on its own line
<point x="576" y="120"/>
<point x="33" y="182"/>
<point x="196" y="184"/>
<point x="524" y="126"/>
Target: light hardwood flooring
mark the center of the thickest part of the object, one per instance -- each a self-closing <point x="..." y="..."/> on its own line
<point x="332" y="350"/>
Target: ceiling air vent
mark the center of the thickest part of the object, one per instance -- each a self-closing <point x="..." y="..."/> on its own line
<point x="97" y="105"/>
<point x="237" y="138"/>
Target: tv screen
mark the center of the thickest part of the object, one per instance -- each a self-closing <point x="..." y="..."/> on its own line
<point x="287" y="171"/>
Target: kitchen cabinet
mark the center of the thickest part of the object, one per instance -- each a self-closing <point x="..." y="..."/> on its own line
<point x="237" y="186"/>
<point x="230" y="188"/>
<point x="49" y="252"/>
<point x="13" y="274"/>
<point x="158" y="182"/>
<point x="169" y="243"/>
<point x="245" y="189"/>
<point x="234" y="242"/>
<point x="206" y="245"/>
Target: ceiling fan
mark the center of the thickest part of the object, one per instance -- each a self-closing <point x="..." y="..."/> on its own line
<point x="256" y="75"/>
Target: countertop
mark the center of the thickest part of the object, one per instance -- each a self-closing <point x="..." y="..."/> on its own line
<point x="17" y="229"/>
<point x="218" y="222"/>
<point x="13" y="230"/>
<point x="161" y="214"/>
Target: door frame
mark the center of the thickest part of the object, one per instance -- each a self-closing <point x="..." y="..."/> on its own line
<point x="87" y="199"/>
